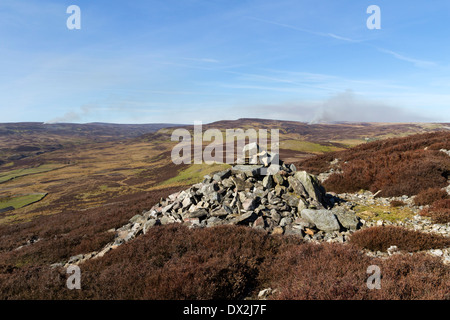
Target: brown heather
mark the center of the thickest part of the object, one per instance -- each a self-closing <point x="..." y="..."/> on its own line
<point x="397" y="203"/>
<point x="439" y="211"/>
<point x="380" y="238"/>
<point x="72" y="232"/>
<point x="336" y="271"/>
<point x="399" y="166"/>
<point x="429" y="196"/>
<point x="231" y="262"/>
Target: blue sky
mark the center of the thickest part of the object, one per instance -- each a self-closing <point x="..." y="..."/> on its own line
<point x="146" y="61"/>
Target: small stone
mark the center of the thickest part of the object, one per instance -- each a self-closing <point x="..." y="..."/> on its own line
<point x="297" y="186"/>
<point x="150" y="223"/>
<point x="392" y="250"/>
<point x="293" y="232"/>
<point x="56" y="265"/>
<point x="285" y="221"/>
<point x="192" y="221"/>
<point x="137" y="219"/>
<point x="275" y="216"/>
<point x="220" y="212"/>
<point x="347" y="219"/>
<point x="200" y="213"/>
<point x="249" y="204"/>
<point x="214" y="221"/>
<point x="278" y="179"/>
<point x="186" y="202"/>
<point x="263" y="294"/>
<point x="247" y="170"/>
<point x="219" y="176"/>
<point x="278" y="230"/>
<point x="267" y="182"/>
<point x="437" y="252"/>
<point x="244" y="218"/>
<point x="259" y="223"/>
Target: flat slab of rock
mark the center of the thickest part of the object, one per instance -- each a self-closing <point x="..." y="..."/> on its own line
<point x="250" y="170"/>
<point x="244" y="218"/>
<point x="200" y="213"/>
<point x="323" y="219"/>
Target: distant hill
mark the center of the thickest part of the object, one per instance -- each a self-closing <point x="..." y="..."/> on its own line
<point x="27" y="139"/>
<point x="100" y="129"/>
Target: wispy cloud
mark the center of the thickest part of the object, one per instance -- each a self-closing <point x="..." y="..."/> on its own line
<point x="416" y="62"/>
<point x="317" y="33"/>
<point x="208" y="60"/>
<point x="340" y="37"/>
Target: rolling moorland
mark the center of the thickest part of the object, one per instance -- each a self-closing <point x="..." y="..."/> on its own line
<point x="65" y="189"/>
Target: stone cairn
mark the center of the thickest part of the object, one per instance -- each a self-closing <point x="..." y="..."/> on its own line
<point x="288" y="202"/>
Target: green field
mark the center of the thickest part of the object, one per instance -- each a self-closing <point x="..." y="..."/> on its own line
<point x="306" y="146"/>
<point x="13" y="174"/>
<point x="21" y="201"/>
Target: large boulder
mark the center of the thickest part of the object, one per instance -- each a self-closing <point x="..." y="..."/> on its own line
<point x="323" y="219"/>
<point x="347" y="219"/>
<point x="312" y="185"/>
<point x="219" y="176"/>
<point x="297" y="186"/>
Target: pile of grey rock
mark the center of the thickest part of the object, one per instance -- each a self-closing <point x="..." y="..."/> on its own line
<point x="289" y="202"/>
<point x="272" y="197"/>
